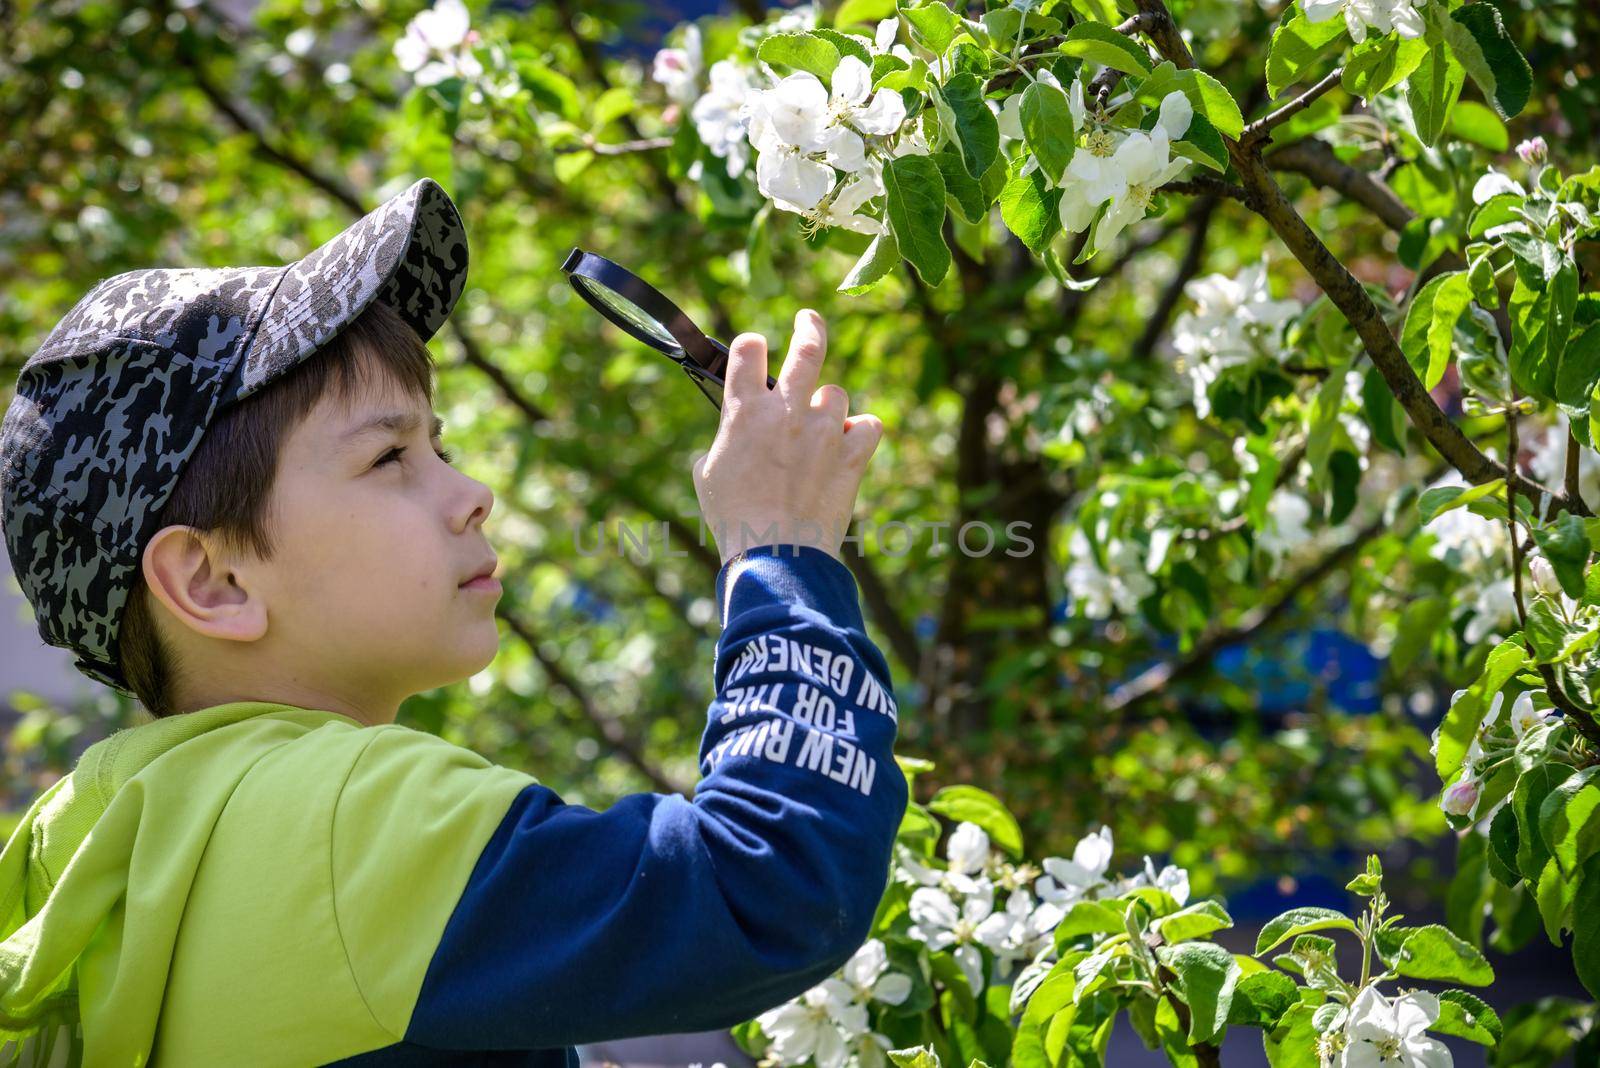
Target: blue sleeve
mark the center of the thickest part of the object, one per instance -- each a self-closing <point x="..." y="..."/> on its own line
<point x="664" y="915"/>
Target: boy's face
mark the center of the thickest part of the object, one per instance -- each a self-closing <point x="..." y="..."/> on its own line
<point x="364" y="598"/>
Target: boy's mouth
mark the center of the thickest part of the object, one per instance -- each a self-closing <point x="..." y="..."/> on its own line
<point x="483" y="578"/>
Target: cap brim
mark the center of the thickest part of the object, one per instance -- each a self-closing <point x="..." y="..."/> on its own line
<point x="410" y="252"/>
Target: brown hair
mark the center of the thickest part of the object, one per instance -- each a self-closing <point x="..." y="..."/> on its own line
<point x="226" y="487"/>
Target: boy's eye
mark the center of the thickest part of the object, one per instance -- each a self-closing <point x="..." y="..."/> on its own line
<point x="394" y="454"/>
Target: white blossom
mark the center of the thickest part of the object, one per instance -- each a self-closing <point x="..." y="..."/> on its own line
<point x="1384" y="16"/>
<point x="867" y="973"/>
<point x="1171" y="878"/>
<point x="817" y="1026"/>
<point x="1121" y="585"/>
<point x="437" y="44"/>
<point x="883" y="41"/>
<point x="1524" y="716"/>
<point x="1235" y="321"/>
<point x="678" y="69"/>
<point x="1127" y="180"/>
<point x="1549" y="461"/>
<point x="968" y="848"/>
<point x="1494" y="612"/>
<point x="1068" y="881"/>
<point x="1493" y="184"/>
<point x="717" y="115"/>
<point x="1287" y="515"/>
<point x="1380" y="1033"/>
<point x="940" y="924"/>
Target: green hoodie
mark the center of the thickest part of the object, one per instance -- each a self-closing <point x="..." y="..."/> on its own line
<point x="110" y="921"/>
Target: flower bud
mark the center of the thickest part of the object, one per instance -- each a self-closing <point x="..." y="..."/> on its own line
<point x="1533" y="151"/>
<point x="1460" y="798"/>
<point x="1544" y="576"/>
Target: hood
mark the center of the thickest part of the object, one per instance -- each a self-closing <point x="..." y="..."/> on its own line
<point x="94" y="880"/>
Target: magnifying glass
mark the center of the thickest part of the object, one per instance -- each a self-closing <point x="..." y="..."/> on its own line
<point x="640" y="310"/>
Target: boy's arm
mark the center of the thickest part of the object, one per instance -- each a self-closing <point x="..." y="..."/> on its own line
<point x="663" y="915"/>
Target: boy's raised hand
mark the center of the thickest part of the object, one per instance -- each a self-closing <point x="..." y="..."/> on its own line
<point x="786" y="463"/>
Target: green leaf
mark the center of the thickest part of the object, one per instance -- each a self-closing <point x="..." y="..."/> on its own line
<point x="853" y="11"/>
<point x="1503" y="845"/>
<point x="1293" y="1043"/>
<point x="551" y="90"/>
<point x="1202" y="143"/>
<point x="1300" y="48"/>
<point x="1102" y="44"/>
<point x="1047" y="128"/>
<point x="914" y="200"/>
<point x="800" y="51"/>
<point x="1565" y="543"/>
<point x="1586" y="927"/>
<point x="1029" y="207"/>
<point x="964" y="191"/>
<point x="914" y="1057"/>
<point x="1207" y="975"/>
<point x="848" y="44"/>
<point x="1261" y="999"/>
<point x="875" y="264"/>
<point x="1467" y="1016"/>
<point x="1541" y="322"/>
<point x="1380" y="63"/>
<point x="1569" y="820"/>
<point x="1088" y="917"/>
<point x="1481" y="44"/>
<point x="1196" y="921"/>
<point x="1462" y="719"/>
<point x="934" y="24"/>
<point x="1434" y="952"/>
<point x="977" y="130"/>
<point x="1432" y="91"/>
<point x="1300" y="921"/>
<point x="1441" y="499"/>
<point x="972" y="805"/>
<point x="1579" y="370"/>
<point x="1429" y="332"/>
<point x="1472" y="121"/>
<point x="1209" y="96"/>
<point x="1548" y="633"/>
<point x="1554" y="895"/>
<point x="1532" y="789"/>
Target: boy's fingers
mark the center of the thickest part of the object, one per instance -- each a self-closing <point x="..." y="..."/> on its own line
<point x="861" y="436"/>
<point x="803" y="366"/>
<point x="747" y="367"/>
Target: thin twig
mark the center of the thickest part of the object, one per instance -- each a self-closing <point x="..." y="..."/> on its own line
<point x="1257" y="131"/>
<point x="606" y="726"/>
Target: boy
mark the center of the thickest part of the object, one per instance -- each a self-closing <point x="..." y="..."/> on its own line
<point x="221" y="492"/>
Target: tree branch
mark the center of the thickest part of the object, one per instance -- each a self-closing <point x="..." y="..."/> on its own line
<point x="1314" y="159"/>
<point x="1158" y="677"/>
<point x="609" y="730"/>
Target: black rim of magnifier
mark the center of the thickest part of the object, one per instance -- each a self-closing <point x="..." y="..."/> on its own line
<point x="704" y="359"/>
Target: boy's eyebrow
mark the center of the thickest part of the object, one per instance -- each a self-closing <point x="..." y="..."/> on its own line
<point x="394" y="422"/>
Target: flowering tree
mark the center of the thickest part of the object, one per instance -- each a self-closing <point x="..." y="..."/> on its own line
<point x="953" y="974"/>
<point x="1195" y="326"/>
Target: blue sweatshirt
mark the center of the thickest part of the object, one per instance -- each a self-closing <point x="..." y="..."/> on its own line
<point x="565" y="925"/>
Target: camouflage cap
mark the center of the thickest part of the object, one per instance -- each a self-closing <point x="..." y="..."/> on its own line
<point x="113" y="404"/>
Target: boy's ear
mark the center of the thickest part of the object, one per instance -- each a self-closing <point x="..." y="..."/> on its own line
<point x="190" y="574"/>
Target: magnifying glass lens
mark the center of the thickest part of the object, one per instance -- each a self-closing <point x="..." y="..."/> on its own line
<point x="630" y="316"/>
